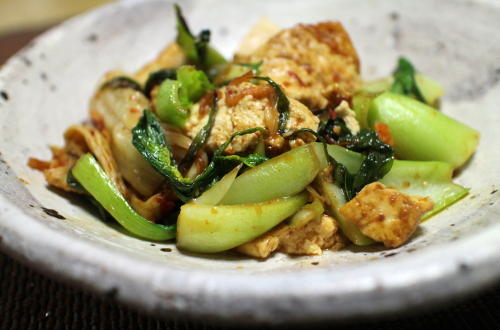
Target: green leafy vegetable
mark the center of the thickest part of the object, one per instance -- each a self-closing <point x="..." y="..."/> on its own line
<point x="405" y="82"/>
<point x="92" y="177"/>
<point x="376" y="164"/>
<point x="157" y="77"/>
<point x="282" y="104"/>
<point x="149" y="140"/>
<point x="197" y="49"/>
<point x="332" y="129"/>
<point x="122" y="82"/>
<point x="251" y="160"/>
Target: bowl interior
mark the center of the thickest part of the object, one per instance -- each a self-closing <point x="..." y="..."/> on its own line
<point x="47" y="87"/>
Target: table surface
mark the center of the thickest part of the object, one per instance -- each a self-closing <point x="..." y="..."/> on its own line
<point x="29" y="300"/>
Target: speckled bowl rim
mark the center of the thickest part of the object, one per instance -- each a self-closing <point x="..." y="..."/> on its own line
<point x="463" y="267"/>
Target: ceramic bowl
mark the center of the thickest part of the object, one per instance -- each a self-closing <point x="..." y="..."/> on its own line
<point x="47" y="86"/>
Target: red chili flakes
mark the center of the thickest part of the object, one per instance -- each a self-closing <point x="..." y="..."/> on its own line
<point x="384" y="133"/>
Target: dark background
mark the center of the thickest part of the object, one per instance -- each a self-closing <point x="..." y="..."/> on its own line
<point x="29" y="300"/>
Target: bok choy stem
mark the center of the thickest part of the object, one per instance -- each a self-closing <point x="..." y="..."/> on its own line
<point x="91" y="176"/>
<point x="420" y="132"/>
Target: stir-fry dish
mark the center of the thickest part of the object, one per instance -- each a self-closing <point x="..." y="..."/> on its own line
<point x="283" y="148"/>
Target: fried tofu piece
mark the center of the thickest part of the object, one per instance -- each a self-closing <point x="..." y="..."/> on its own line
<point x="251" y="108"/>
<point x="309" y="239"/>
<point x="313" y="237"/>
<point x="257" y="36"/>
<point x="262" y="246"/>
<point x="385" y="214"/>
<point x="316" y="64"/>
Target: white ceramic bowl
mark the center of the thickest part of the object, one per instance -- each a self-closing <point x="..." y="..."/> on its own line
<point x="47" y="86"/>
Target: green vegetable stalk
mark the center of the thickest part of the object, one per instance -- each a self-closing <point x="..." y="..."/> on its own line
<point x="169" y="106"/>
<point x="420" y="132"/>
<point x="176" y="97"/>
<point x="95" y="181"/>
<point x="210" y="229"/>
<point x="335" y="199"/>
<point x="405" y="81"/>
<point x="157" y="77"/>
<point x="430" y="179"/>
<point x="284" y="175"/>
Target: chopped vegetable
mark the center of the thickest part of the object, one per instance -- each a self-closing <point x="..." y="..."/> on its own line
<point x="194" y="83"/>
<point x="210" y="229"/>
<point x="420" y="132"/>
<point x="170" y="107"/>
<point x="157" y="77"/>
<point x="197" y="49"/>
<point x="429" y="179"/>
<point x="376" y="164"/>
<point x="215" y="194"/>
<point x="91" y="176"/>
<point x="335" y="199"/>
<point x="175" y="97"/>
<point x="404" y="80"/>
<point x="308" y="212"/>
<point x="283" y="175"/>
<point x="425" y="178"/>
<point x="149" y="140"/>
<point x="378" y="160"/>
<point x="431" y="90"/>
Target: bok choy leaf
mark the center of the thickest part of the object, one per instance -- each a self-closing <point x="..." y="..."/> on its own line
<point x="149" y="140"/>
